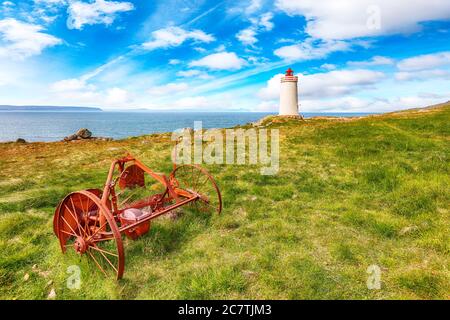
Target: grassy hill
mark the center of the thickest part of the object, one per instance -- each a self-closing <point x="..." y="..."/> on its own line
<point x="349" y="194"/>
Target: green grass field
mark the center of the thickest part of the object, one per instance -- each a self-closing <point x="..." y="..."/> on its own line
<point x="349" y="194"/>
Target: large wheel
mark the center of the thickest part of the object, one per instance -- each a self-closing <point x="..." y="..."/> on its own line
<point x="82" y="223"/>
<point x="195" y="179"/>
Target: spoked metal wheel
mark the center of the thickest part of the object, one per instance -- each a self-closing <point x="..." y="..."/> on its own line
<point x="82" y="223"/>
<point x="195" y="179"/>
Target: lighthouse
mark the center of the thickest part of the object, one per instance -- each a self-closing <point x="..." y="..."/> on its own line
<point x="289" y="94"/>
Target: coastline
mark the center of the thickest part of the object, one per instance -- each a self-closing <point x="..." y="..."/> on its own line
<point x="267" y="120"/>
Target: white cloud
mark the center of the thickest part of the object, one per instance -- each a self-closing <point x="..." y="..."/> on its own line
<point x="272" y="89"/>
<point x="421" y="100"/>
<point x="78" y="92"/>
<point x="97" y="12"/>
<point x="422" y="75"/>
<point x="267" y="106"/>
<point x="200" y="49"/>
<point x="423" y="67"/>
<point x="257" y="60"/>
<point x="328" y="66"/>
<point x="210" y="103"/>
<point x="189" y="73"/>
<point x="192" y="102"/>
<point x="167" y="89"/>
<point x="374" y="61"/>
<point x="220" y="48"/>
<point x="174" y="61"/>
<point x="325" y="85"/>
<point x="286" y="40"/>
<point x="21" y="40"/>
<point x="338" y="83"/>
<point x="13" y="72"/>
<point x="247" y="36"/>
<point x="194" y="73"/>
<point x="265" y="21"/>
<point x="254" y="6"/>
<point x="117" y="97"/>
<point x="311" y="49"/>
<point x="175" y="36"/>
<point x="51" y="2"/>
<point x="261" y="24"/>
<point x="359" y="105"/>
<point x="71" y="85"/>
<point x="356" y="104"/>
<point x="423" y="62"/>
<point x="349" y="19"/>
<point x="220" y="61"/>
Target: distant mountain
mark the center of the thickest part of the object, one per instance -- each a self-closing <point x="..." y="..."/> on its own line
<point x="48" y="109"/>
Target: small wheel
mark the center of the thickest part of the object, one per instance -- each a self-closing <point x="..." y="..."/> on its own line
<point x="194" y="178"/>
<point x="87" y="226"/>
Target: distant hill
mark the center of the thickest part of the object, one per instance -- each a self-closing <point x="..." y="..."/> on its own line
<point x="48" y="109"/>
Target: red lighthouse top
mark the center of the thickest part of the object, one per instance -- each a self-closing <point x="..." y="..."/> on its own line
<point x="289" y="72"/>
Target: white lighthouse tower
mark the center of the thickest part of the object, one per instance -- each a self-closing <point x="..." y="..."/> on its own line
<point x="289" y="94"/>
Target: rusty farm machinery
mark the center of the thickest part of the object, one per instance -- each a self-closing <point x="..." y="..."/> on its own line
<point x="92" y="221"/>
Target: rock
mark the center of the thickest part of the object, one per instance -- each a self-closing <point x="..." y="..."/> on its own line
<point x="20" y="140"/>
<point x="71" y="137"/>
<point x="84" y="133"/>
<point x="49" y="283"/>
<point x="34" y="267"/>
<point x="52" y="294"/>
<point x="26" y="277"/>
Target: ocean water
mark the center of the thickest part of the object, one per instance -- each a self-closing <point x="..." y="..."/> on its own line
<point x="54" y="126"/>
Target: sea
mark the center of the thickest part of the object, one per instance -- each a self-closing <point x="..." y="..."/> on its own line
<point x="54" y="126"/>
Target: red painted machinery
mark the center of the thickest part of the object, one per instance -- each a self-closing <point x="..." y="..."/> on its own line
<point x="92" y="221"/>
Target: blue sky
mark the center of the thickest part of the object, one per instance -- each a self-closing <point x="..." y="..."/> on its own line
<point x="350" y="55"/>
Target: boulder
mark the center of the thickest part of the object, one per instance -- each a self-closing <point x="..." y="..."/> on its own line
<point x="71" y="137"/>
<point x="20" y="140"/>
<point x="84" y="133"/>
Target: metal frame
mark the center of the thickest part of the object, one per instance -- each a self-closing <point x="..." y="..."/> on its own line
<point x="85" y="216"/>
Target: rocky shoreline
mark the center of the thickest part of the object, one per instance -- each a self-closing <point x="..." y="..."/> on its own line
<point x="84" y="134"/>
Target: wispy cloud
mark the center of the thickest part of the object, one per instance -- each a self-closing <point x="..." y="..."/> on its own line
<point x="175" y="36"/>
<point x="22" y="40"/>
<point x="97" y="12"/>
